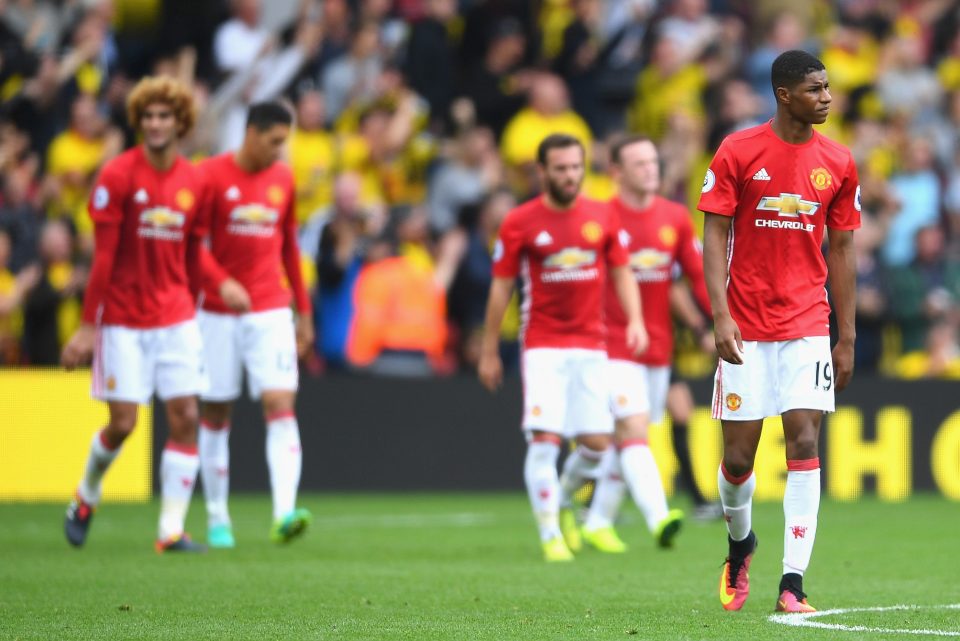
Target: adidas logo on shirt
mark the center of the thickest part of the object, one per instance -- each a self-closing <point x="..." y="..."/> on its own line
<point x="233" y="193"/>
<point x="543" y="238"/>
<point x="141" y="196"/>
<point x="762" y="174"/>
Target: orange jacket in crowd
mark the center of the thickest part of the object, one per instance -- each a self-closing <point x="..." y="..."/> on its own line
<point x="397" y="306"/>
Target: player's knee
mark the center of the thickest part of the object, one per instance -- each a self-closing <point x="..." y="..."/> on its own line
<point x="595" y="442"/>
<point x="737" y="463"/>
<point x="278" y="402"/>
<point x="802" y="446"/>
<point x="216" y="413"/>
<point x="183" y="417"/>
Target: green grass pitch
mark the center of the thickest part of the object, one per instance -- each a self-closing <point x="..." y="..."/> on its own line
<point x="463" y="567"/>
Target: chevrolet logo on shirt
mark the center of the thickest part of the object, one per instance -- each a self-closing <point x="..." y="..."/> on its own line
<point x="649" y="259"/>
<point x="571" y="258"/>
<point x="256" y="214"/>
<point x="791" y="205"/>
<point x="162" y="217"/>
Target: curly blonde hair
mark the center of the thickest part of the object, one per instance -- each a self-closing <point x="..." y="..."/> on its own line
<point x="168" y="91"/>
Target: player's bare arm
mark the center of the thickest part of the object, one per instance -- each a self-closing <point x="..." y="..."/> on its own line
<point x="716" y="230"/>
<point x="629" y="295"/>
<point x="490" y="367"/>
<point x="841" y="270"/>
<point x="79" y="349"/>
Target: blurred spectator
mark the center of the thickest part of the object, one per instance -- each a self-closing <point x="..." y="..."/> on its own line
<point x="241" y="40"/>
<point x="669" y="85"/>
<point x="51" y="308"/>
<point x="474" y="169"/>
<point x="36" y="23"/>
<point x="786" y="31"/>
<point x="399" y="324"/>
<point x="497" y="84"/>
<point x="431" y="60"/>
<point x="312" y="155"/>
<point x="74" y="158"/>
<point x="338" y="240"/>
<point x="927" y="294"/>
<point x="468" y="294"/>
<point x="905" y="85"/>
<point x="917" y="189"/>
<point x="394" y="31"/>
<point x="12" y="289"/>
<point x="872" y="296"/>
<point x="581" y="55"/>
<point x="353" y="76"/>
<point x="548" y="111"/>
<point x="20" y="218"/>
<point x="690" y="28"/>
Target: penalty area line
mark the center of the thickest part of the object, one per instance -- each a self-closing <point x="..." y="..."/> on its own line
<point x="807" y="620"/>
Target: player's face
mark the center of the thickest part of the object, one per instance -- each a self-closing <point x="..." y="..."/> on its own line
<point x="159" y="127"/>
<point x="639" y="169"/>
<point x="810" y="99"/>
<point x="563" y="173"/>
<point x="268" y="145"/>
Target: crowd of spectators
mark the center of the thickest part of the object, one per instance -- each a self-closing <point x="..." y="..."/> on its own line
<point x="416" y="127"/>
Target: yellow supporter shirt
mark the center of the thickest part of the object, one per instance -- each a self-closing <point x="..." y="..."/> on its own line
<point x="658" y="98"/>
<point x="313" y="159"/>
<point x="528" y="127"/>
<point x="72" y="153"/>
<point x="11" y="325"/>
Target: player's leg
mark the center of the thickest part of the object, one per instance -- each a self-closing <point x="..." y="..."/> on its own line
<point x="221" y="358"/>
<point x="213" y="444"/>
<point x="103" y="450"/>
<point x="805" y="370"/>
<point x="120" y="377"/>
<point x="801" y="504"/>
<point x="285" y="461"/>
<point x="582" y="465"/>
<point x="269" y="353"/>
<point x="679" y="404"/>
<point x="545" y="380"/>
<point x="743" y="396"/>
<point x="180" y="379"/>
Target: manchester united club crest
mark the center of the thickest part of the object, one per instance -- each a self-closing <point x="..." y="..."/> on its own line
<point x="275" y="195"/>
<point x="734" y="402"/>
<point x="184" y="199"/>
<point x="592" y="231"/>
<point x="668" y="235"/>
<point x="821" y="178"/>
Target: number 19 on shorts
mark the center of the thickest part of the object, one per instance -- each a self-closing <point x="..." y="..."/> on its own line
<point x="823" y="379"/>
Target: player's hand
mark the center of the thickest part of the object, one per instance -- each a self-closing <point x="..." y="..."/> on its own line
<point x="79" y="348"/>
<point x="235" y="296"/>
<point x="842" y="364"/>
<point x="305" y="335"/>
<point x="490" y="370"/>
<point x="637" y="338"/>
<point x="728" y="340"/>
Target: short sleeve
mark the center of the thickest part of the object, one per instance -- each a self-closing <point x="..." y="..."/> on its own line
<point x="507" y="249"/>
<point x="108" y="195"/>
<point x="720" y="193"/>
<point x="615" y="250"/>
<point x="844" y="213"/>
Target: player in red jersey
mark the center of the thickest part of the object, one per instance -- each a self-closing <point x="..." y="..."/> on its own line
<point x="138" y="313"/>
<point x="246" y="319"/>
<point x="564" y="245"/>
<point x="767" y="196"/>
<point x="658" y="235"/>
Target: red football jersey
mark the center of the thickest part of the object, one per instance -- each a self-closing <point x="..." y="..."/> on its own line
<point x="780" y="196"/>
<point x="152" y="215"/>
<point x="656" y="239"/>
<point x="253" y="235"/>
<point x="563" y="257"/>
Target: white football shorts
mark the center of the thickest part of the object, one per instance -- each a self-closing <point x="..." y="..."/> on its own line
<point x="637" y="389"/>
<point x="565" y="391"/>
<point x="775" y="377"/>
<point x="130" y="364"/>
<point x="263" y="343"/>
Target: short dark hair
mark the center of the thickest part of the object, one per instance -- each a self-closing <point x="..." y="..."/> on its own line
<point x="622" y="142"/>
<point x="264" y="115"/>
<point x="791" y="67"/>
<point x="556" y="141"/>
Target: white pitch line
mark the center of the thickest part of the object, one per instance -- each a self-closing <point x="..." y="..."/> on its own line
<point x="804" y="620"/>
<point x="454" y="519"/>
